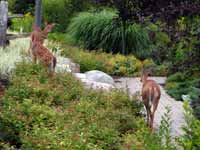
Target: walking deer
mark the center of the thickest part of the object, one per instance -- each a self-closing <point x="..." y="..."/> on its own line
<point x="39" y="35"/>
<point x="42" y="54"/>
<point x="150" y="96"/>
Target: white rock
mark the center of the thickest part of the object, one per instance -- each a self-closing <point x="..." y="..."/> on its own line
<point x="80" y="75"/>
<point x="66" y="65"/>
<point x="89" y="84"/>
<point x="99" y="76"/>
<point x="97" y="85"/>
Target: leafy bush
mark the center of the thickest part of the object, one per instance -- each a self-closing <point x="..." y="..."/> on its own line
<point x="160" y="41"/>
<point x="145" y="140"/>
<point x="100" y="31"/>
<point x="60" y="12"/>
<point x="57" y="113"/>
<point x="195" y="101"/>
<point x="191" y="139"/>
<point x="186" y="51"/>
<point x="111" y="64"/>
<point x="181" y="84"/>
<point x="23" y="24"/>
<point x="21" y="6"/>
<point x="122" y="66"/>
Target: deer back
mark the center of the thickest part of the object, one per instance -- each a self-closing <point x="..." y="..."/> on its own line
<point x="150" y="92"/>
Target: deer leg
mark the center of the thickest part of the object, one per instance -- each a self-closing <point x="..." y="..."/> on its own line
<point x="34" y="59"/>
<point x="155" y="105"/>
<point x="151" y="120"/>
<point x="30" y="49"/>
<point x="148" y="117"/>
<point x="50" y="70"/>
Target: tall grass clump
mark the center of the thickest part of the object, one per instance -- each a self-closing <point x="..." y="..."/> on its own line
<point x="102" y="31"/>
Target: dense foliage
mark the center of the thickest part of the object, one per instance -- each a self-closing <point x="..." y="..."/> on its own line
<point x="112" y="64"/>
<point x="21" y="6"/>
<point x="169" y="10"/>
<point x="60" y="12"/>
<point x="191" y="140"/>
<point x="99" y="31"/>
<point x="180" y="84"/>
<point x="22" y="24"/>
<point x="42" y="113"/>
<point x="38" y="112"/>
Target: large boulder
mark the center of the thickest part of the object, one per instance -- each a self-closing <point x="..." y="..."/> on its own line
<point x="90" y="84"/>
<point x="97" y="85"/>
<point x="99" y="76"/>
<point x="66" y="65"/>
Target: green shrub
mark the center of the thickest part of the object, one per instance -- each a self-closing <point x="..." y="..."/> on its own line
<point x="191" y="139"/>
<point x="23" y="24"/>
<point x="195" y="101"/>
<point x="122" y="66"/>
<point x="160" y="41"/>
<point x="181" y="84"/>
<point x="21" y="6"/>
<point x="111" y="64"/>
<point x="185" y="56"/>
<point x="100" y="31"/>
<point x="145" y="140"/>
<point x="57" y="113"/>
<point x="60" y="12"/>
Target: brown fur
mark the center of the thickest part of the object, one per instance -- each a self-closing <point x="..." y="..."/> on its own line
<point x="39" y="35"/>
<point x="42" y="54"/>
<point x="150" y="96"/>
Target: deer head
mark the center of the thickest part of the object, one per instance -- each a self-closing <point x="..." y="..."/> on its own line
<point x="144" y="75"/>
<point x="48" y="27"/>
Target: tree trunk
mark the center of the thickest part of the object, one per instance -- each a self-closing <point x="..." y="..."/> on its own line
<point x="124" y="37"/>
<point x="3" y="22"/>
<point x="38" y="13"/>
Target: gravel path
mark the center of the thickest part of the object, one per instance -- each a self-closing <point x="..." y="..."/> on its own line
<point x="177" y="118"/>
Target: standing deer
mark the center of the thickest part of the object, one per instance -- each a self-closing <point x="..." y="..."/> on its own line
<point x="150" y="96"/>
<point x="39" y="35"/>
<point x="44" y="56"/>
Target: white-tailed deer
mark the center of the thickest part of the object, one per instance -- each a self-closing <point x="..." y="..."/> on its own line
<point x="150" y="96"/>
<point x="39" y="35"/>
<point x="42" y="54"/>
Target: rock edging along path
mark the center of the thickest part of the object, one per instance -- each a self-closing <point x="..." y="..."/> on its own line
<point x="177" y="111"/>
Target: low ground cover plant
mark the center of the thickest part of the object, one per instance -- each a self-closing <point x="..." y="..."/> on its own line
<point x="113" y="64"/>
<point x="38" y="112"/>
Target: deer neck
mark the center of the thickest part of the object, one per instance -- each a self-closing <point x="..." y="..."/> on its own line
<point x="144" y="81"/>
